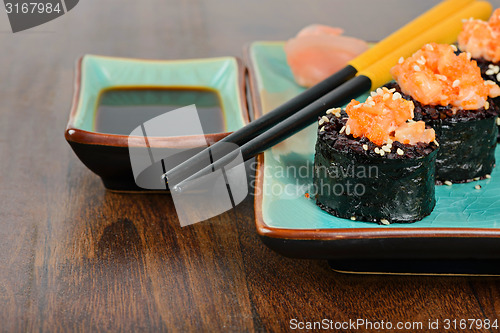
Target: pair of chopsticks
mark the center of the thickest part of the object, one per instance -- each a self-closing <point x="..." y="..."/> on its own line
<point x="441" y="24"/>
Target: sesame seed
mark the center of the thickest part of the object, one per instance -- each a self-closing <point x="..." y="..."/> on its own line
<point x="325" y="118"/>
<point x="373" y="94"/>
<point x="335" y="111"/>
<point x="447" y="182"/>
<point x="400" y="152"/>
<point x="376" y="150"/>
<point x="488" y="176"/>
<point x="489" y="72"/>
<point x="322" y="129"/>
<point x="353" y="218"/>
<point x="384" y="222"/>
<point x="386" y="97"/>
<point x="371" y="103"/>
<point x="342" y="130"/>
<point x="498" y="121"/>
<point x="441" y="77"/>
<point x="347" y="130"/>
<point x="379" y="91"/>
<point x="490" y="66"/>
<point x="389" y="144"/>
<point x="489" y="83"/>
<point x="396" y="96"/>
<point x="454" y="48"/>
<point x="421" y="61"/>
<point x="381" y="152"/>
<point x="429" y="47"/>
<point x="498" y="77"/>
<point x="455" y="83"/>
<point x="365" y="147"/>
<point x="386" y="149"/>
<point x="357" y="106"/>
<point x="400" y="61"/>
<point x="321" y="121"/>
<point x="416" y="68"/>
<point x="385" y="89"/>
<point x="469" y="56"/>
<point x="486" y="105"/>
<point x="329" y="111"/>
<point x="436" y="143"/>
<point x="389" y="141"/>
<point x="496" y="69"/>
<point x="476" y="178"/>
<point x="477" y="187"/>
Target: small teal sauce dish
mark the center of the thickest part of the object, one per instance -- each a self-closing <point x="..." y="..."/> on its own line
<point x="105" y="151"/>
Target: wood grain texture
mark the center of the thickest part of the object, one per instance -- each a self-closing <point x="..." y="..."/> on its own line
<point x="74" y="257"/>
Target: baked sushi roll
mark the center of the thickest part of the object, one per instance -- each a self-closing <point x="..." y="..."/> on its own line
<point x="450" y="96"/>
<point x="374" y="163"/>
<point x="482" y="41"/>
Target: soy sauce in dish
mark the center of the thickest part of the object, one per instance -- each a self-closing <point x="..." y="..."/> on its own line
<point x="120" y="110"/>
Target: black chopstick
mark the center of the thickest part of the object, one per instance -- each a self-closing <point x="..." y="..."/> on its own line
<point x="263" y="123"/>
<point x="283" y="129"/>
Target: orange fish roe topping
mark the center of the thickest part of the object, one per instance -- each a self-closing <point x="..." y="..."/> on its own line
<point x="482" y="39"/>
<point x="413" y="132"/>
<point x="384" y="117"/>
<point x="435" y="75"/>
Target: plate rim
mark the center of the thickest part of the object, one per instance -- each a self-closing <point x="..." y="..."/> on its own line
<point x="333" y="234"/>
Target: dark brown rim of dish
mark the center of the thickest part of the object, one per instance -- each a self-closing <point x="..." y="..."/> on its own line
<point x="73" y="134"/>
<point x="338" y="234"/>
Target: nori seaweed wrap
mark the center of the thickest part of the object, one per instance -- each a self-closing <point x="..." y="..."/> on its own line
<point x="355" y="178"/>
<point x="467" y="139"/>
<point x="491" y="71"/>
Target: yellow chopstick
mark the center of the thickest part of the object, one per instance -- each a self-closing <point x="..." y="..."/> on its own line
<point x="410" y="31"/>
<point x="444" y="32"/>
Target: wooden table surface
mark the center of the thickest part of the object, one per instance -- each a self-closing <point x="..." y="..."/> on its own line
<point x="75" y="257"/>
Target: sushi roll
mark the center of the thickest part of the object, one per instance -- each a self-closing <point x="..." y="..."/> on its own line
<point x="450" y="96"/>
<point x="482" y="41"/>
<point x="374" y="163"/>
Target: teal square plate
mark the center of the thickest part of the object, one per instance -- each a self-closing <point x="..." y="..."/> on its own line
<point x="461" y="236"/>
<point x="107" y="154"/>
